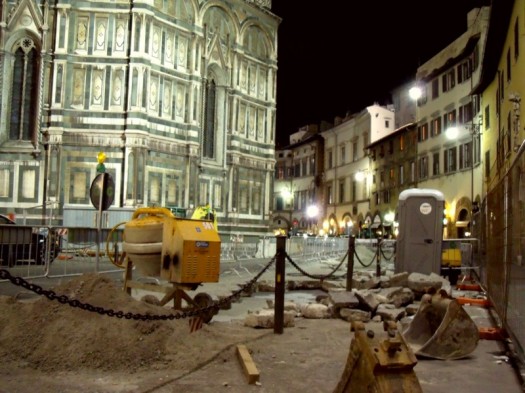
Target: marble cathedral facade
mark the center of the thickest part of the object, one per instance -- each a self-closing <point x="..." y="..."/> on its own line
<point x="179" y="94"/>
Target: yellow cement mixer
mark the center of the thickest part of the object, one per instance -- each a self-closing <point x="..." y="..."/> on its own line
<point x="184" y="252"/>
<point x="441" y="329"/>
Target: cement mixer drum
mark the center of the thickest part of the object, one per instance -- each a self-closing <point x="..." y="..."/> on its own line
<point x="143" y="239"/>
<point x="441" y="329"/>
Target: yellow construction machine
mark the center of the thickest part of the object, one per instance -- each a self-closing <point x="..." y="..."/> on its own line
<point x="182" y="252"/>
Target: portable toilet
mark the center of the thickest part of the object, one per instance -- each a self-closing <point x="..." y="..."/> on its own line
<point x="420" y="218"/>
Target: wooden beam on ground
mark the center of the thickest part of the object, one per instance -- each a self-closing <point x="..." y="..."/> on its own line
<point x="250" y="369"/>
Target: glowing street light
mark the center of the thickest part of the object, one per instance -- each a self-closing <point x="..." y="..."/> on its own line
<point x="415" y="93"/>
<point x="360" y="176"/>
<point x="312" y="211"/>
<point x="452" y="133"/>
<point x="389" y="217"/>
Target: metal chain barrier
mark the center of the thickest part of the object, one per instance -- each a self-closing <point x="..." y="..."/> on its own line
<point x="317" y="276"/>
<point x="361" y="262"/>
<point x="384" y="255"/>
<point x="63" y="299"/>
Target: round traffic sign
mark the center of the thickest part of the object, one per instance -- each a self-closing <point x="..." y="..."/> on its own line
<point x="102" y="191"/>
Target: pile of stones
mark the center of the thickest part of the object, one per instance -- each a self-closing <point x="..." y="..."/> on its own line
<point x="390" y="297"/>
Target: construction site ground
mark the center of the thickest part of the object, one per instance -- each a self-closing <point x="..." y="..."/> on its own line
<point x="309" y="357"/>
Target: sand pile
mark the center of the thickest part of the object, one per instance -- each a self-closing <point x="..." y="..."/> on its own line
<point x="50" y="336"/>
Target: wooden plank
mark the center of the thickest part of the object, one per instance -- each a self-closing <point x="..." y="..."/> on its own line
<point x="250" y="369"/>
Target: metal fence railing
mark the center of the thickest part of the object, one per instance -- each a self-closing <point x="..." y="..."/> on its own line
<point x="24" y="249"/>
<point x="40" y="251"/>
<point x="45" y="251"/>
<point x="502" y="228"/>
<point x="316" y="248"/>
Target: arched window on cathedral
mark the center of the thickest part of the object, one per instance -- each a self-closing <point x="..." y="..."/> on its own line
<point x="209" y="125"/>
<point x="24" y="91"/>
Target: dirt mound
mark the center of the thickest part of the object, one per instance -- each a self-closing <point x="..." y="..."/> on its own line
<point x="50" y="336"/>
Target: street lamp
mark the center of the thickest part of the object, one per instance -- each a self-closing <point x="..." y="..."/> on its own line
<point x="415" y="93"/>
<point x="389" y="217"/>
<point x="312" y="211"/>
<point x="452" y="133"/>
<point x="362" y="176"/>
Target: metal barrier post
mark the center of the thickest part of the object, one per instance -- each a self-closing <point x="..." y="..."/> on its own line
<point x="378" y="258"/>
<point x="350" y="266"/>
<point x="278" y="322"/>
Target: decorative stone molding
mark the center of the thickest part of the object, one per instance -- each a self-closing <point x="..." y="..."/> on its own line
<point x="262" y="3"/>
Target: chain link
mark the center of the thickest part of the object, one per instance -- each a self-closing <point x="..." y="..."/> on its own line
<point x="361" y="262"/>
<point x="63" y="299"/>
<point x="317" y="276"/>
<point x="384" y="255"/>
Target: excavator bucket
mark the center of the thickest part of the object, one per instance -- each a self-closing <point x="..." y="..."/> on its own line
<point x="379" y="363"/>
<point x="441" y="329"/>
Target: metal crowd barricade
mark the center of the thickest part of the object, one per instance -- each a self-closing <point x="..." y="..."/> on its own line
<point x="79" y="251"/>
<point x="44" y="251"/>
<point x="316" y="248"/>
<point x="227" y="253"/>
<point x="23" y="250"/>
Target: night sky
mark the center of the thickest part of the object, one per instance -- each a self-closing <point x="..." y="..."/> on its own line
<point x="337" y="56"/>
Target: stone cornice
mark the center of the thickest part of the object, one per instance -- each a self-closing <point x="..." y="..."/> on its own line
<point x="261" y="3"/>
